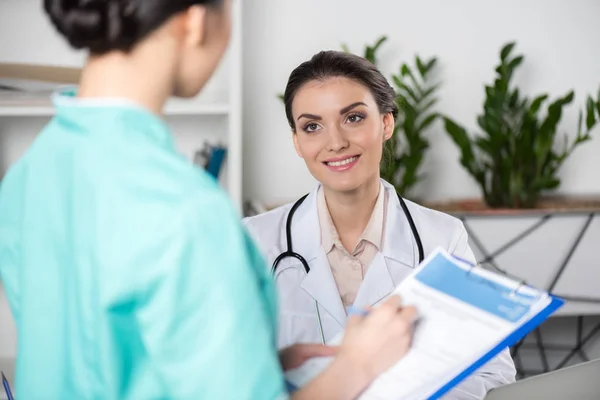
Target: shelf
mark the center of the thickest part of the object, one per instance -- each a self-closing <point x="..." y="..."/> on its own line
<point x="181" y="107"/>
<point x="42" y="107"/>
<point x="25" y="111"/>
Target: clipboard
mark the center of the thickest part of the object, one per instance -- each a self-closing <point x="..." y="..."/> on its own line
<point x="554" y="304"/>
<point x="447" y="291"/>
<point x="478" y="274"/>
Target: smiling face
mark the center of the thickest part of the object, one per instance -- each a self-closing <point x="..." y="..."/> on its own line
<point x="339" y="132"/>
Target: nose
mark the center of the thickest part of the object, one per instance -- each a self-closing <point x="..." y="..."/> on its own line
<point x="337" y="140"/>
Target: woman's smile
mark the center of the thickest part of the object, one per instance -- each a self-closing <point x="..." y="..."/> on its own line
<point x="341" y="164"/>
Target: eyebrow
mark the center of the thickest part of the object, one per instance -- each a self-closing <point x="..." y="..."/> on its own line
<point x="351" y="106"/>
<point x="342" y="111"/>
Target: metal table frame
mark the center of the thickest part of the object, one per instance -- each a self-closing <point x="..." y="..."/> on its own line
<point x="538" y="342"/>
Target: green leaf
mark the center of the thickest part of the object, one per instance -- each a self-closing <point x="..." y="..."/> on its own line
<point x="583" y="138"/>
<point x="431" y="64"/>
<point x="506" y="50"/>
<point x="403" y="87"/>
<point x="568" y="98"/>
<point x="427" y="106"/>
<point x="547" y="182"/>
<point x="461" y="139"/>
<point x="426" y="122"/>
<point x="591" y="114"/>
<point x="370" y="55"/>
<point x="379" y="42"/>
<point x="487" y="146"/>
<point x="537" y="103"/>
<point x="430" y="91"/>
<point x="405" y="70"/>
<point x="345" y="48"/>
<point x="420" y="66"/>
<point x="515" y="63"/>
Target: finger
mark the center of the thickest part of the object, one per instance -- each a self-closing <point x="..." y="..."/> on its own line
<point x="409" y="314"/>
<point x="353" y="320"/>
<point x="393" y="302"/>
<point x="388" y="309"/>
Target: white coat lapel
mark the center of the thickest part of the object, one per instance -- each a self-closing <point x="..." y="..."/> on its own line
<point x="319" y="283"/>
<point x="377" y="284"/>
<point x="398" y="240"/>
<point x="399" y="254"/>
<point x="306" y="241"/>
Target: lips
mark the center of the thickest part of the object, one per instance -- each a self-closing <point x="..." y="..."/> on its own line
<point x="341" y="164"/>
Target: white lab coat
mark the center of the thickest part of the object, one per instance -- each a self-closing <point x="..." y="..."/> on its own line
<point x="297" y="291"/>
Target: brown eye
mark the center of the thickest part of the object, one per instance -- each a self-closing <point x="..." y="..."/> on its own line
<point x="311" y="127"/>
<point x="354" y="118"/>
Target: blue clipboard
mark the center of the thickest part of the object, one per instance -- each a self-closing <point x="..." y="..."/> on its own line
<point x="464" y="282"/>
<point x="555" y="303"/>
<point x="510" y="340"/>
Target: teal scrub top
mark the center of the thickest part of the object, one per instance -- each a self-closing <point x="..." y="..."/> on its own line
<point x="127" y="269"/>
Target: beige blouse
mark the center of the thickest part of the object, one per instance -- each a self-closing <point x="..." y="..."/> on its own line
<point x="349" y="269"/>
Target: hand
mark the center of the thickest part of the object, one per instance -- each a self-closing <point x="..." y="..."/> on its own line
<point x="294" y="356"/>
<point x="377" y="341"/>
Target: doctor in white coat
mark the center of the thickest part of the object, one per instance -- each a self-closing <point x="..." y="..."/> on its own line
<point x="351" y="229"/>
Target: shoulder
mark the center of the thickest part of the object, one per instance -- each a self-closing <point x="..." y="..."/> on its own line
<point x="267" y="219"/>
<point x="202" y="203"/>
<point x="429" y="217"/>
<point x="265" y="229"/>
<point x="437" y="228"/>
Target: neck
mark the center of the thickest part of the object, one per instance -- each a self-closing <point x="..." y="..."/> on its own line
<point x="351" y="211"/>
<point x="138" y="77"/>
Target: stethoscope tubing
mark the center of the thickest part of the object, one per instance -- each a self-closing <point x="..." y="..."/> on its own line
<point x="291" y="253"/>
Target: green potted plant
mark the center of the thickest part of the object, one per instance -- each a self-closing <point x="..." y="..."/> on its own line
<point x="517" y="227"/>
<point x="404" y="152"/>
<point x="517" y="158"/>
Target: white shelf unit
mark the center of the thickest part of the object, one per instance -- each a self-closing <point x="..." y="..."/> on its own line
<point x="175" y="108"/>
<point x="215" y="115"/>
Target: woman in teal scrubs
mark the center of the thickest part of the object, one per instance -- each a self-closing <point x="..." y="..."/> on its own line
<point x="126" y="268"/>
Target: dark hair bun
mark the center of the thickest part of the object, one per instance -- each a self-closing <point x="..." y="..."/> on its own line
<point x="96" y="25"/>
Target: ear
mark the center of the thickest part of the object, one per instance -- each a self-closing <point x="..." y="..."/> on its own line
<point x="388" y="126"/>
<point x="296" y="145"/>
<point x="194" y="21"/>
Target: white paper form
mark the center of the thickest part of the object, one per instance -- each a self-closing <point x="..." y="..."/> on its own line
<point x="464" y="314"/>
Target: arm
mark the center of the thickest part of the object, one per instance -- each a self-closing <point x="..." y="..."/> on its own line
<point x="206" y="322"/>
<point x="496" y="372"/>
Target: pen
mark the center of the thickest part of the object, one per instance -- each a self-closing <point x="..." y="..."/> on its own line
<point x="6" y="387"/>
<point x="357" y="311"/>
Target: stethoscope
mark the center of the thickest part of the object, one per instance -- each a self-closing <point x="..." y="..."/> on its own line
<point x="291" y="253"/>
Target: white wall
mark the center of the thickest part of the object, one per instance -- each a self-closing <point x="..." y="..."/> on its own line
<point x="559" y="38"/>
